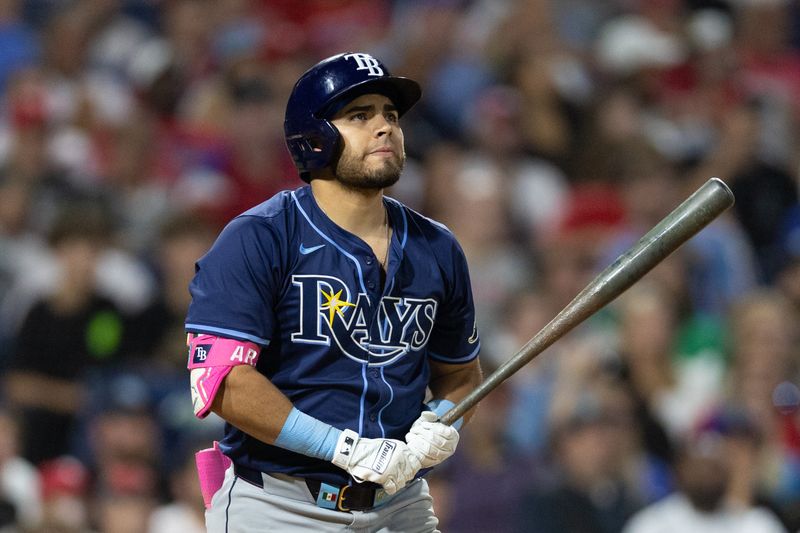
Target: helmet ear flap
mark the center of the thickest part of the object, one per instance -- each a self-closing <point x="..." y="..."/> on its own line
<point x="315" y="148"/>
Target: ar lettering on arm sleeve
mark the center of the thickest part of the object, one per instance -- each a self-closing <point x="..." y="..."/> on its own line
<point x="211" y="358"/>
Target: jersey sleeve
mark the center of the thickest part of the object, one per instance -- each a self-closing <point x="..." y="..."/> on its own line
<point x="455" y="333"/>
<point x="234" y="287"/>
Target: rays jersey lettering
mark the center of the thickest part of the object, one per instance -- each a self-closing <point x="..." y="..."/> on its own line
<point x="331" y="312"/>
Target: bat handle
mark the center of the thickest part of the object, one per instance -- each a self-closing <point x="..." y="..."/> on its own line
<point x="459" y="409"/>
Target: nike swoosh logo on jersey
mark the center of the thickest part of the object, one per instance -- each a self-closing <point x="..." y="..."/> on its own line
<point x="306" y="251"/>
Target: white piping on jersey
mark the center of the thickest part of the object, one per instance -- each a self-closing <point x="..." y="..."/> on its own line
<point x="335" y="245"/>
<point x="383" y="378"/>
<point x="363" y="399"/>
<point x="405" y="229"/>
<point x="391" y="398"/>
<point x="400" y="208"/>
<point x="229" y="333"/>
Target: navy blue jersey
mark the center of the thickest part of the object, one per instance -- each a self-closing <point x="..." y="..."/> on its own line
<point x="284" y="276"/>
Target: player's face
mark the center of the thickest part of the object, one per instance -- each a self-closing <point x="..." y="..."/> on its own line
<point x="373" y="153"/>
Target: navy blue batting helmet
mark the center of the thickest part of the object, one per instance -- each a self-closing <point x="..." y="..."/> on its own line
<point x="311" y="138"/>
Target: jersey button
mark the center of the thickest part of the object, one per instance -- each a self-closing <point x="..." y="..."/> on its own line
<point x="373" y="373"/>
<point x="368" y="260"/>
<point x="371" y="284"/>
<point x="373" y="417"/>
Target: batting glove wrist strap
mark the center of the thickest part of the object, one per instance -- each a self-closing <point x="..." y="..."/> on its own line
<point x="387" y="462"/>
<point x="343" y="453"/>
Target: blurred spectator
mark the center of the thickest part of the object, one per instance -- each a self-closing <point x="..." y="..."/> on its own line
<point x="537" y="189"/>
<point x="185" y="511"/>
<point x="764" y="351"/>
<point x="65" y="496"/>
<point x="123" y="513"/>
<point x="551" y="136"/>
<point x="721" y="266"/>
<point x="61" y="337"/>
<point x="125" y="442"/>
<point x="484" y="460"/>
<point x="712" y="269"/>
<point x="498" y="267"/>
<point x="257" y="164"/>
<point x="29" y="152"/>
<point x="648" y="38"/>
<point x="20" y="484"/>
<point x="788" y="272"/>
<point x="187" y="26"/>
<point x="764" y="186"/>
<point x="676" y="391"/>
<point x="162" y="150"/>
<point x="587" y="491"/>
<point x="646" y="474"/>
<point x="532" y="387"/>
<point x="126" y="449"/>
<point x="19" y="44"/>
<point x="117" y="33"/>
<point x="528" y="52"/>
<point x="22" y="249"/>
<point x="770" y="64"/>
<point x="704" y="477"/>
<point x="571" y="255"/>
<point x="158" y="329"/>
<point x="325" y="26"/>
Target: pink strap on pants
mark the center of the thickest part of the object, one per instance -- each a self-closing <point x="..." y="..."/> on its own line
<point x="211" y="467"/>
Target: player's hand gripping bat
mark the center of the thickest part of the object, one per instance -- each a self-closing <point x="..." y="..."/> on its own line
<point x="696" y="212"/>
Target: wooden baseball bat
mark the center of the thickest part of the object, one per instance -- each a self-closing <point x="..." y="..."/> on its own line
<point x="696" y="212"/>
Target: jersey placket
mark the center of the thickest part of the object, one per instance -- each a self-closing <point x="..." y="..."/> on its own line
<point x="378" y="324"/>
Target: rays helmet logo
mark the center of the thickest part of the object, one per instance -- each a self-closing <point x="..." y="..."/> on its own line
<point x="329" y="312"/>
<point x="366" y="62"/>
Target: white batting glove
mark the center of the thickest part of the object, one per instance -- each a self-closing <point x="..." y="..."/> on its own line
<point x="388" y="462"/>
<point x="432" y="441"/>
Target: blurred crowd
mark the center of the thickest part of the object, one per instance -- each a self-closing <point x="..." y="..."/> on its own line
<point x="552" y="134"/>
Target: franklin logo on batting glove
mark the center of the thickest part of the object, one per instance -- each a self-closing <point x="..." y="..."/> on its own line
<point x="384" y="455"/>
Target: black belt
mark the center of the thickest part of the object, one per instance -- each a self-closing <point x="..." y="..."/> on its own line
<point x="349" y="497"/>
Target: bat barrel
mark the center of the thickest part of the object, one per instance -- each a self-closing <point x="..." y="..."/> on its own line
<point x="696" y="212"/>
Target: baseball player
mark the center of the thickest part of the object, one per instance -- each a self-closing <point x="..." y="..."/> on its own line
<point x="321" y="318"/>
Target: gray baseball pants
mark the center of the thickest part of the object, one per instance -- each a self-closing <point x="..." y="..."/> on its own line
<point x="285" y="505"/>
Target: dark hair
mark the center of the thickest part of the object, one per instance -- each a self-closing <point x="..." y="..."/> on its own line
<point x="249" y="89"/>
<point x="184" y="225"/>
<point x="80" y="222"/>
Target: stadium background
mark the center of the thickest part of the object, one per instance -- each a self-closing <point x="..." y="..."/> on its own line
<point x="551" y="135"/>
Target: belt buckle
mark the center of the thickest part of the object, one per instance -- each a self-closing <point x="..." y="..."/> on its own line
<point x="340" y="500"/>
